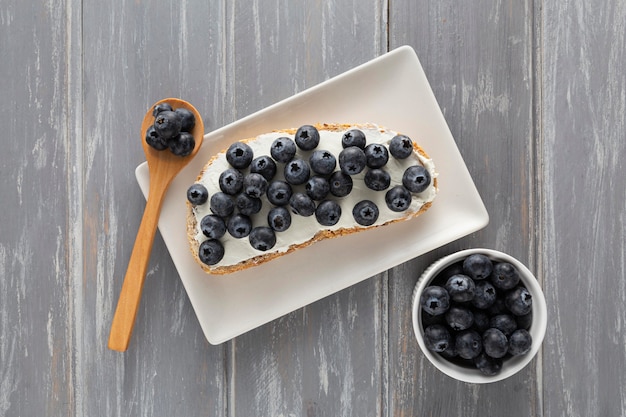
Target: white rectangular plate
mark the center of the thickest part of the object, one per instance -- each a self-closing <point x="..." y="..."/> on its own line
<point x="391" y="91"/>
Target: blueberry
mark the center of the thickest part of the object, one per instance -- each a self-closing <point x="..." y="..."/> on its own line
<point x="167" y="124"/>
<point x="254" y="185"/>
<point x="481" y="320"/>
<point x="283" y="149"/>
<point x="322" y="162"/>
<point x="213" y="226"/>
<point x="365" y="212"/>
<point x="317" y="188"/>
<point x="248" y="205"/>
<point x="352" y="160"/>
<point x="477" y="266"/>
<point x="495" y="343"/>
<point x="155" y="140"/>
<point x="450" y="351"/>
<point x="519" y="301"/>
<point x="239" y="225"/>
<point x="265" y="166"/>
<point x="459" y="318"/>
<point x="353" y="137"/>
<point x="487" y="365"/>
<point x="506" y="323"/>
<point x="161" y="107"/>
<point x="460" y="287"/>
<point x="398" y="198"/>
<point x="182" y="145"/>
<point x="524" y="322"/>
<point x="239" y="155"/>
<point x="279" y="193"/>
<point x="435" y="300"/>
<point x="307" y="137"/>
<point x="377" y="179"/>
<point x="447" y="272"/>
<point x="297" y="172"/>
<point x="231" y="181"/>
<point x="484" y="295"/>
<point x="504" y="276"/>
<point x="520" y="342"/>
<point x="401" y="146"/>
<point x="302" y="204"/>
<point x="328" y="213"/>
<point x="437" y="338"/>
<point x="211" y="251"/>
<point x="279" y="219"/>
<point x="468" y="344"/>
<point x="197" y="194"/>
<point x="498" y="307"/>
<point x="428" y="319"/>
<point x="222" y="204"/>
<point x="262" y="238"/>
<point x="416" y="178"/>
<point x="340" y="184"/>
<point x="187" y="119"/>
<point x="376" y="155"/>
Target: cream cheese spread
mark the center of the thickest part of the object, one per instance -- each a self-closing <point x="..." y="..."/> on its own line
<point x="303" y="229"/>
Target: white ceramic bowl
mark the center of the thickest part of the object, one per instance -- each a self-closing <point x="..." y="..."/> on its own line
<point x="511" y="365"/>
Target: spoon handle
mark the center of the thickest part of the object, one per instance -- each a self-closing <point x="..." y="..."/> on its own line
<point x="130" y="295"/>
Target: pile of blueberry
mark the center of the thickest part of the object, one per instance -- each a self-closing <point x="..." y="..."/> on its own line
<point x="171" y="130"/>
<point x="477" y="313"/>
<point x="312" y="186"/>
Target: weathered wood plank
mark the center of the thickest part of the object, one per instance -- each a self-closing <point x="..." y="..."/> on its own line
<point x="582" y="229"/>
<point x="324" y="359"/>
<point x="35" y="337"/>
<point x="135" y="54"/>
<point x="478" y="59"/>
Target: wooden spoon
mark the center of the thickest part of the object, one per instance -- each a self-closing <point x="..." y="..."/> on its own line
<point x="163" y="167"/>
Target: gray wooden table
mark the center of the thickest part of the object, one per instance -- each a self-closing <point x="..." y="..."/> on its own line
<point x="534" y="93"/>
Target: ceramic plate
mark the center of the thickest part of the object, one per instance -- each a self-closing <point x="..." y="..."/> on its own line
<point x="391" y="91"/>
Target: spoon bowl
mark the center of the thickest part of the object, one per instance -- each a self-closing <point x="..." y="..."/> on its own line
<point x="163" y="166"/>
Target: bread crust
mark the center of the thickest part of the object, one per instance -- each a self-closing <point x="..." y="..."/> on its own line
<point x="322" y="234"/>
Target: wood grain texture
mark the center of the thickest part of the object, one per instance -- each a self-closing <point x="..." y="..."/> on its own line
<point x="324" y="359"/>
<point x="136" y="54"/>
<point x="583" y="207"/>
<point x="534" y="93"/>
<point x="35" y="337"/>
<point x="478" y="59"/>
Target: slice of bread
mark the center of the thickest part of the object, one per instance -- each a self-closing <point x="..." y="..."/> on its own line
<point x="305" y="230"/>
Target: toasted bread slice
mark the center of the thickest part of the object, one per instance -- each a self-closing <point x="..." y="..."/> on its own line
<point x="306" y="230"/>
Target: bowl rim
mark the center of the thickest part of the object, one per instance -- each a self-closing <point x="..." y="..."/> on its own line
<point x="512" y="365"/>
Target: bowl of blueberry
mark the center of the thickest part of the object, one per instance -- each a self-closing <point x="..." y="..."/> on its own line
<point x="479" y="315"/>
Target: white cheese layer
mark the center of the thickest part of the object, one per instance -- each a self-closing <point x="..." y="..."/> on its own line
<point x="302" y="229"/>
